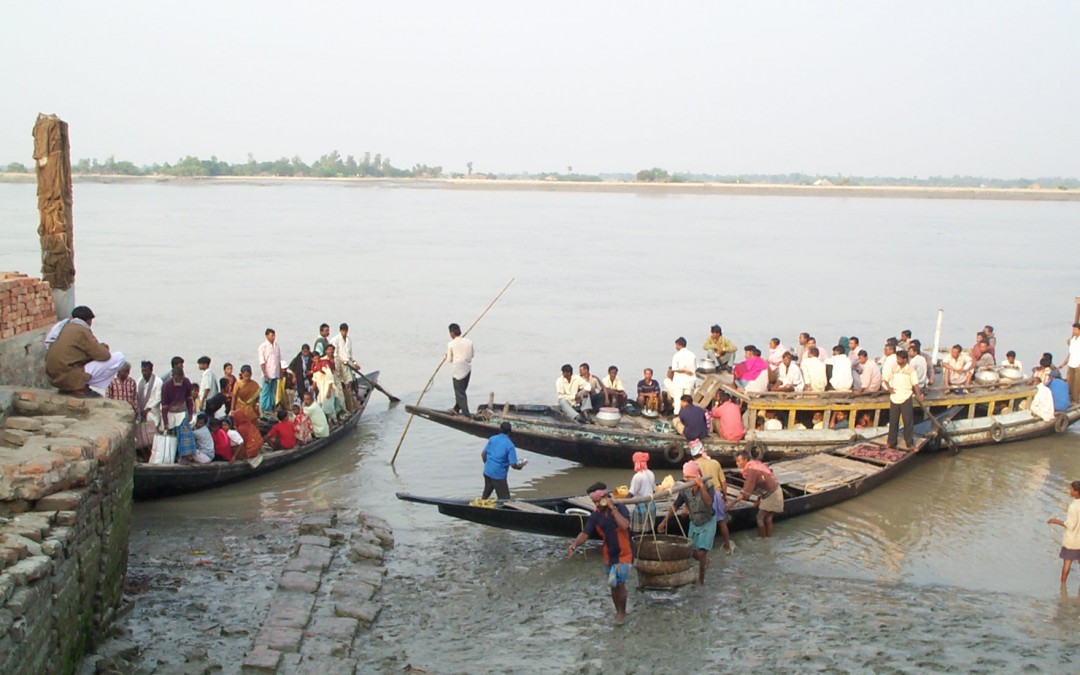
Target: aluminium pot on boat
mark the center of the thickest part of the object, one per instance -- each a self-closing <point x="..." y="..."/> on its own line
<point x="706" y="367"/>
<point x="608" y="417"/>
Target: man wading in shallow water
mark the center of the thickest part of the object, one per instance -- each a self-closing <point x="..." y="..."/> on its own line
<point x="610" y="522"/>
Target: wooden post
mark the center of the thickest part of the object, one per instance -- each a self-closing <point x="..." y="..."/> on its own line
<point x="1076" y="315"/>
<point x="52" y="159"/>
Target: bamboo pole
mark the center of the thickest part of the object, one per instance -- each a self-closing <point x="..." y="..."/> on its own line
<point x="1076" y="315"/>
<point x="937" y="337"/>
<point x="439" y="367"/>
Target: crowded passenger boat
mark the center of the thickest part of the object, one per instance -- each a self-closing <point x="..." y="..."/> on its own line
<point x="787" y="402"/>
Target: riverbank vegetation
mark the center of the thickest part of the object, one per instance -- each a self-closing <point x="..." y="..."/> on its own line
<point x="333" y="165"/>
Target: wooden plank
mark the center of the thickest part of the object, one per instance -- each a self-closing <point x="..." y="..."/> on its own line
<point x="822" y="472"/>
<point x="582" y="503"/>
<point x="526" y="506"/>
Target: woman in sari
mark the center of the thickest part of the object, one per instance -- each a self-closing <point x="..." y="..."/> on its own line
<point x="253" y="440"/>
<point x="245" y="401"/>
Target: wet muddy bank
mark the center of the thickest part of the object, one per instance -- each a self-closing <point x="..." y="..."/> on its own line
<point x="229" y="596"/>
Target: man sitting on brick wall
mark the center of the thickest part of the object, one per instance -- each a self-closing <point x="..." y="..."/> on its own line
<point x="76" y="360"/>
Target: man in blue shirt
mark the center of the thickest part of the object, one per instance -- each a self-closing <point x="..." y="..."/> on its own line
<point x="1060" y="391"/>
<point x="499" y="457"/>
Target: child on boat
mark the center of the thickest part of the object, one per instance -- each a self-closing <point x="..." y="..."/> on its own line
<point x="1070" y="544"/>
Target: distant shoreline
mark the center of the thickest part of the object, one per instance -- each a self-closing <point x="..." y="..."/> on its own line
<point x="736" y="189"/>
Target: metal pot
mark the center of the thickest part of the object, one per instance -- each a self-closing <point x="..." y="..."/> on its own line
<point x="1011" y="373"/>
<point x="986" y="376"/>
<point x="608" y="417"/>
<point x="706" y="367"/>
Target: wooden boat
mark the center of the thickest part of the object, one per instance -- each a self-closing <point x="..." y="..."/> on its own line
<point x="809" y="483"/>
<point x="988" y="414"/>
<point x="153" y="481"/>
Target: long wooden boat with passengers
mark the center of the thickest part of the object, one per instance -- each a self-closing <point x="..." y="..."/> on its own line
<point x="987" y="414"/>
<point x="809" y="483"/>
<point x="153" y="481"/>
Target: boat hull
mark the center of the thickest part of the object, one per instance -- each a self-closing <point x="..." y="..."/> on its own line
<point x="154" y="481"/>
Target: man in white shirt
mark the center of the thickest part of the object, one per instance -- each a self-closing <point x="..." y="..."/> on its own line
<point x="270" y="364"/>
<point x="958" y="368"/>
<point x="813" y="371"/>
<point x="568" y="389"/>
<point x="1073" y="362"/>
<point x="148" y="401"/>
<point x="919" y="363"/>
<point x="841" y="379"/>
<point x="208" y="384"/>
<point x="683" y="364"/>
<point x="614" y="392"/>
<point x="888" y="360"/>
<point x="459" y="354"/>
<point x="869" y="374"/>
<point x="776" y="354"/>
<point x="853" y="351"/>
<point x="788" y="375"/>
<point x="344" y="362"/>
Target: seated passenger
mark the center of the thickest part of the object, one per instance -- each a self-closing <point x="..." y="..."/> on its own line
<point x="841" y="378"/>
<point x="813" y="371"/>
<point x="282" y="436"/>
<point x="648" y="392"/>
<point x="320" y="427"/>
<point x="614" y="393"/>
<point x="869" y="374"/>
<point x="222" y="450"/>
<point x="719" y="350"/>
<point x="981" y="355"/>
<point x="1011" y="361"/>
<point x="75" y="360"/>
<point x="776" y="354"/>
<point x="838" y="420"/>
<point x="204" y="440"/>
<point x="594" y="399"/>
<point x="1059" y="390"/>
<point x="727" y="418"/>
<point x="301" y="426"/>
<point x="866" y="421"/>
<point x="957" y="368"/>
<point x="253" y="440"/>
<point x="752" y="374"/>
<point x="236" y="441"/>
<point x="772" y="421"/>
<point x="568" y="393"/>
<point x="818" y="420"/>
<point x="788" y="375"/>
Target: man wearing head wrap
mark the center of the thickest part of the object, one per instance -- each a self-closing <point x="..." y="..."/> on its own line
<point x="610" y="522"/>
<point x="499" y="457"/>
<point x="642" y="484"/>
<point x="75" y="360"/>
<point x="698" y="503"/>
<point x="710" y="469"/>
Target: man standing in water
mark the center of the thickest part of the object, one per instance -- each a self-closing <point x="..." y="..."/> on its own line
<point x="499" y="456"/>
<point x="611" y="523"/>
<point x="698" y="501"/>
<point x="758" y="479"/>
<point x="459" y="354"/>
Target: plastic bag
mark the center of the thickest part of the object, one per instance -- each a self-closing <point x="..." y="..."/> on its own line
<point x="163" y="450"/>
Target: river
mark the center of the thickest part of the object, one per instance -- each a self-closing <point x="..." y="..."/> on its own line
<point x="948" y="567"/>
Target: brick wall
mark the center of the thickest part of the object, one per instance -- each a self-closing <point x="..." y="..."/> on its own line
<point x="65" y="494"/>
<point x="27" y="311"/>
<point x="26" y="304"/>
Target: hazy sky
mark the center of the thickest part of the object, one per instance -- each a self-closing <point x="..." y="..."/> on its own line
<point x="863" y="88"/>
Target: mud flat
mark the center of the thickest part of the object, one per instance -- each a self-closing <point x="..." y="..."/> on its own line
<point x="227" y="596"/>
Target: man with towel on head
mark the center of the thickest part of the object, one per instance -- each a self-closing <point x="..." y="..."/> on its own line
<point x="611" y="523"/>
<point x="75" y="360"/>
<point x="698" y="502"/>
<point x="643" y="484"/>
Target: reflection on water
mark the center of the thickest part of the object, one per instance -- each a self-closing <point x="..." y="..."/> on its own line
<point x="949" y="566"/>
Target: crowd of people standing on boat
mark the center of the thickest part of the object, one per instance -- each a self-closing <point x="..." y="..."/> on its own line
<point x="234" y="417"/>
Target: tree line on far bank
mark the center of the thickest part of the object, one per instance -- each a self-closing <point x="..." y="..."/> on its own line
<point x="332" y="165"/>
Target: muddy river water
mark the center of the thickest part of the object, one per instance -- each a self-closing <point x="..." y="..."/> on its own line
<point x="948" y="567"/>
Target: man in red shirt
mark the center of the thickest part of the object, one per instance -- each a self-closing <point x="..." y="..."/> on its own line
<point x="282" y="436"/>
<point x="611" y="523"/>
